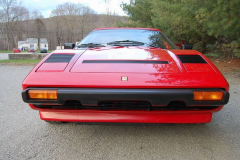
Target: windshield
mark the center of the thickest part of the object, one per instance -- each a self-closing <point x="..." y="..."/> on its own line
<point x="127" y="37"/>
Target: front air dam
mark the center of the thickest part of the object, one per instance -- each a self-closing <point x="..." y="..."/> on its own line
<point x="88" y="116"/>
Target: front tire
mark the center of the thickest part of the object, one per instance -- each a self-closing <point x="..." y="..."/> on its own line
<point x="54" y="122"/>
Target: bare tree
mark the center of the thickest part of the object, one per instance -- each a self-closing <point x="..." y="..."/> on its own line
<point x="11" y="13"/>
<point x="19" y="26"/>
<point x="1" y="30"/>
<point x="41" y="28"/>
<point x="32" y="28"/>
<point x="57" y="24"/>
<point x="110" y="18"/>
<point x="36" y="14"/>
<point x="69" y="22"/>
<point x="84" y="15"/>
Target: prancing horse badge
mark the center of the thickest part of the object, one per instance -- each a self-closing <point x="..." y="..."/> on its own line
<point x="124" y="78"/>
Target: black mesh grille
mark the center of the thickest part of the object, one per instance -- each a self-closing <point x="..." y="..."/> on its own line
<point x="191" y="59"/>
<point x="55" y="58"/>
<point x="124" y="105"/>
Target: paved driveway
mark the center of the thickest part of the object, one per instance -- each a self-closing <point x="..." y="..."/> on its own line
<point x="3" y="56"/>
<point x="24" y="136"/>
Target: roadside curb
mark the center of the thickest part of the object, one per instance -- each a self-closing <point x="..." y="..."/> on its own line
<point x="27" y="56"/>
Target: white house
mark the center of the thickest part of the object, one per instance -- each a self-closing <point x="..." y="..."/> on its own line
<point x="33" y="43"/>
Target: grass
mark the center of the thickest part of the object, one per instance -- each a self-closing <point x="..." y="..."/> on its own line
<point x="5" y="51"/>
<point x="11" y="51"/>
<point x="234" y="70"/>
<point x="20" y="61"/>
<point x="216" y="55"/>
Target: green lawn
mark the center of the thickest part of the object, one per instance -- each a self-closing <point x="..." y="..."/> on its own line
<point x="216" y="55"/>
<point x="11" y="51"/>
<point x="20" y="61"/>
<point x="5" y="51"/>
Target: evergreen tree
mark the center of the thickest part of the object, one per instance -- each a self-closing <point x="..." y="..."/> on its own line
<point x="200" y="22"/>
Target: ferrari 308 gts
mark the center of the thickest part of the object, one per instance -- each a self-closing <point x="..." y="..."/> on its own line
<point x="125" y="75"/>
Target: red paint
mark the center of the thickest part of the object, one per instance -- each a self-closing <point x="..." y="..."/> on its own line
<point x="127" y="116"/>
<point x="52" y="67"/>
<point x="31" y="50"/>
<point x="180" y="44"/>
<point x="191" y="67"/>
<point x="153" y="77"/>
<point x="16" y="50"/>
<point x="125" y="53"/>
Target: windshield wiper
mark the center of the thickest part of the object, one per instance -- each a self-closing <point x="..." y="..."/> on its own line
<point x="126" y="43"/>
<point x="90" y="45"/>
<point x="154" y="46"/>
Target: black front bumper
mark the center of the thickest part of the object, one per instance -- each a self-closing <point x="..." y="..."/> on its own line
<point x="156" y="97"/>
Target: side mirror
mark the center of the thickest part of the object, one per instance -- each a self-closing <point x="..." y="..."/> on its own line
<point x="69" y="45"/>
<point x="187" y="46"/>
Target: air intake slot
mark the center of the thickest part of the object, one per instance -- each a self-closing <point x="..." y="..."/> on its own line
<point x="175" y="105"/>
<point x="56" y="63"/>
<point x="125" y="61"/>
<point x="191" y="59"/>
<point x="56" y="58"/>
<point x="124" y="105"/>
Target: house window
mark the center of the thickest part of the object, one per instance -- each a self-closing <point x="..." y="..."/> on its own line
<point x="31" y="45"/>
<point x="45" y="45"/>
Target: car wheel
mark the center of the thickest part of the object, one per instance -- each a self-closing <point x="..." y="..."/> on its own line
<point x="55" y="122"/>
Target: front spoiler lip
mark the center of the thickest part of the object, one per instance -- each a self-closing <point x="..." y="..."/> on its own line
<point x="127" y="116"/>
<point x="157" y="97"/>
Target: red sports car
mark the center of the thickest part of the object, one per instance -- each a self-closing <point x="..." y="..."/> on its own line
<point x="16" y="50"/>
<point x="126" y="75"/>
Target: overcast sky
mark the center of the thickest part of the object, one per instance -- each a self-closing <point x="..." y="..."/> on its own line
<point x="46" y="6"/>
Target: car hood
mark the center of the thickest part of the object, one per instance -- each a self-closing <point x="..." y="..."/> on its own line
<point x="125" y="60"/>
<point x="125" y="67"/>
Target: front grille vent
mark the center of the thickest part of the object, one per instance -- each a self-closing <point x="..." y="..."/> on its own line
<point x="124" y="105"/>
<point x="126" y="61"/>
<point x="191" y="59"/>
<point x="57" y="58"/>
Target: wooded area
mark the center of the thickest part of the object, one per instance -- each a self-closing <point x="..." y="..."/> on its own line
<point x="211" y="25"/>
<point x="68" y="22"/>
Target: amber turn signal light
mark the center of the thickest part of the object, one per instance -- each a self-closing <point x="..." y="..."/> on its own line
<point x="43" y="94"/>
<point x="208" y="96"/>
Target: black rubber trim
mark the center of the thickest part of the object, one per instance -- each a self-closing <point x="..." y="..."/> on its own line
<point x="191" y="59"/>
<point x="125" y="124"/>
<point x="157" y="97"/>
<point x="55" y="58"/>
<point x="98" y="108"/>
<point x="125" y="61"/>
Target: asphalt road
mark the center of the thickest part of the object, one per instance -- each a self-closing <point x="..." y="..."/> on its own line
<point x="24" y="136"/>
<point x="4" y="56"/>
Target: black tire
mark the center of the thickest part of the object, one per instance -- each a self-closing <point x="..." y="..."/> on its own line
<point x="55" y="122"/>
